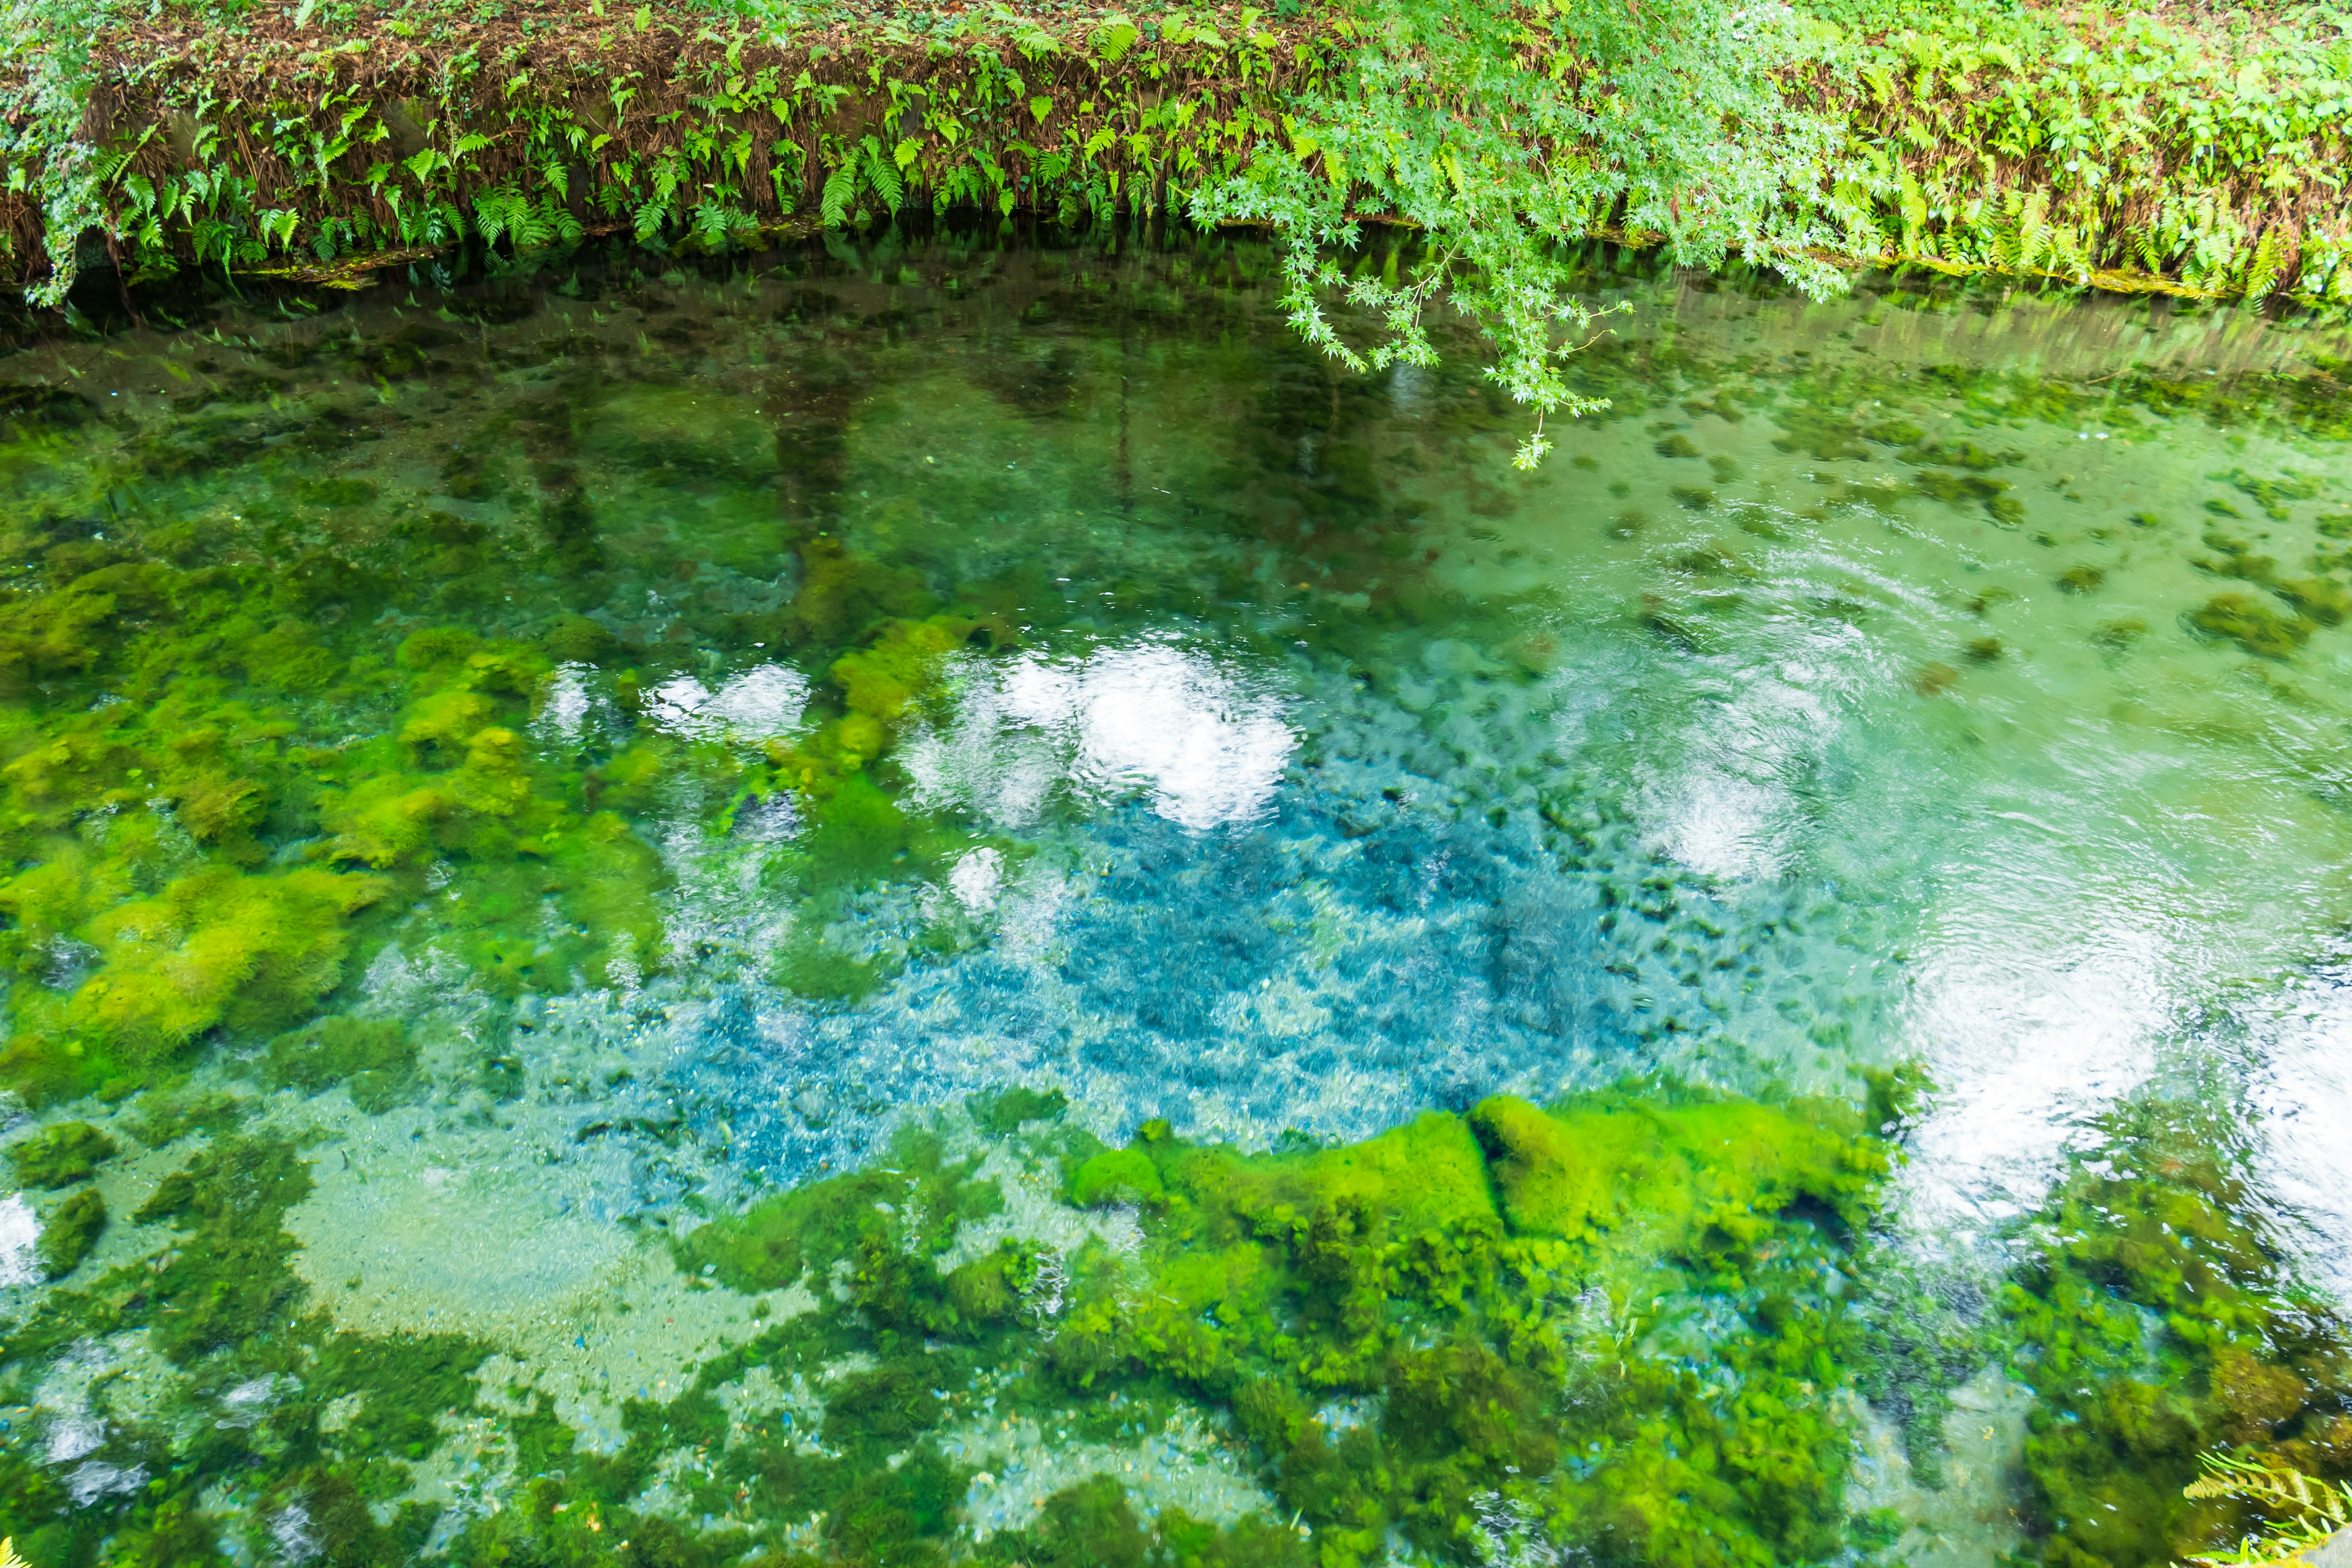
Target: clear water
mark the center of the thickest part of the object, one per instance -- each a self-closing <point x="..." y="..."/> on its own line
<point x="730" y="716"/>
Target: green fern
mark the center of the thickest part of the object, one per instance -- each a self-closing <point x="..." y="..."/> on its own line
<point x="840" y="191"/>
<point x="882" y="177"/>
<point x="2308" y="1512"/>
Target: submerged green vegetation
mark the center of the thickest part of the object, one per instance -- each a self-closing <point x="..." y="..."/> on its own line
<point x="1634" y="1323"/>
<point x="384" y="689"/>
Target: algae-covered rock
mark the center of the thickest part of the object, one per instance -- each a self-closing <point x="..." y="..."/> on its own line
<point x="771" y="1244"/>
<point x="1426" y="1176"/>
<point x="57" y="1156"/>
<point x="1601" y="1161"/>
<point x="372" y="1057"/>
<point x="68" y="1233"/>
<point x="1116" y="1176"/>
<point x="2318" y="598"/>
<point x="2252" y="623"/>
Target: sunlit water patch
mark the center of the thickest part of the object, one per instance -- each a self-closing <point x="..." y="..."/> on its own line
<point x="912" y="905"/>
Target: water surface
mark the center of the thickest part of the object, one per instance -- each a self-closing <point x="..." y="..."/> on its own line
<point x="561" y="824"/>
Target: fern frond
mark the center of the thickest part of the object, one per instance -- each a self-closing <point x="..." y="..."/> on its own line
<point x="840" y="190"/>
<point x="2309" y="1510"/>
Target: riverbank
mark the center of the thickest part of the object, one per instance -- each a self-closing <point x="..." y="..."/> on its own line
<point x="2138" y="150"/>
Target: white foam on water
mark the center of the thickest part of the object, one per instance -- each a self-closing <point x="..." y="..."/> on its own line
<point x="20" y="1231"/>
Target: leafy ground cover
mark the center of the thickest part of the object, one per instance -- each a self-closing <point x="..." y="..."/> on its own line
<point x="2129" y="149"/>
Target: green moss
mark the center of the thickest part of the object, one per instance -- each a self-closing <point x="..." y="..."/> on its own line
<point x="1426" y="1176"/>
<point x="809" y="968"/>
<point x="2318" y="599"/>
<point x="171" y="1114"/>
<point x="56" y="1156"/>
<point x="2159" y="1321"/>
<point x="900" y="668"/>
<point x="811" y="1228"/>
<point x="228" y="1282"/>
<point x="1090" y="1525"/>
<point x="2273" y="496"/>
<point x="1116" y="1176"/>
<point x="2252" y="624"/>
<point x="372" y="1056"/>
<point x="1002" y="1113"/>
<point x="215" y="949"/>
<point x="1687" y="1173"/>
<point x="69" y="1231"/>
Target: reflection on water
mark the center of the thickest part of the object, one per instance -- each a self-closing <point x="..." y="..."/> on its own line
<point x="1154" y="717"/>
<point x="642" y="898"/>
<point x="762" y="703"/>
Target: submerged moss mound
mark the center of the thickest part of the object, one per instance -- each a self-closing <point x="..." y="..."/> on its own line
<point x="372" y="1057"/>
<point x="2252" y="622"/>
<point x="59" y="1155"/>
<point x="69" y="1231"/>
<point x="2160" y="1321"/>
<point x="1606" y="1319"/>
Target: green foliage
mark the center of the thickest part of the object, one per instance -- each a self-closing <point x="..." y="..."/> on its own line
<point x="59" y="1155"/>
<point x="2306" y="1512"/>
<point x="1499" y="133"/>
<point x="2133" y="151"/>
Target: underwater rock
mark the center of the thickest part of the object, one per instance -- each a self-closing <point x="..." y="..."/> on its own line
<point x="69" y="1231"/>
<point x="2318" y="599"/>
<point x="372" y="1057"/>
<point x="2252" y="624"/>
<point x="59" y="1155"/>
